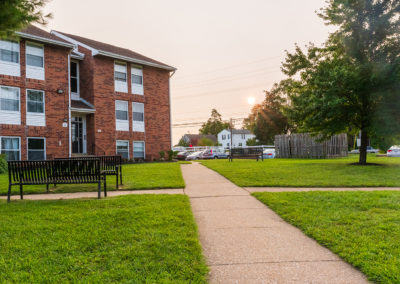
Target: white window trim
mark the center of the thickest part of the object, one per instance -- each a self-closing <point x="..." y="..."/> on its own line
<point x="35" y="113"/>
<point x="19" y="94"/>
<point x="138" y="122"/>
<point x="19" y="139"/>
<point x="76" y="96"/>
<point x="121" y="83"/>
<point x="19" y="54"/>
<point x="34" y="67"/>
<point x="116" y="147"/>
<point x="137" y="85"/>
<point x="120" y="120"/>
<point x="27" y="146"/>
<point x="144" y="149"/>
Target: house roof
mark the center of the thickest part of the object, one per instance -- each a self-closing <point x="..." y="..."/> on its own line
<point x="34" y="33"/>
<point x="238" y="131"/>
<point x="105" y="49"/>
<point x="82" y="106"/>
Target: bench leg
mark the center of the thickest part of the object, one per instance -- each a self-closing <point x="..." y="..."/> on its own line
<point x="21" y="193"/>
<point x="99" y="190"/>
<point x="117" y="180"/>
<point x="47" y="187"/>
<point x="120" y="176"/>
<point x="105" y="186"/>
<point x="9" y="193"/>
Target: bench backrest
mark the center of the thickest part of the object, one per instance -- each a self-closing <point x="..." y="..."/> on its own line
<point x="107" y="163"/>
<point x="51" y="171"/>
<point x="246" y="152"/>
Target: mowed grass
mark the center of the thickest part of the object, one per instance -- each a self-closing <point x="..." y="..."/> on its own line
<point x="129" y="239"/>
<point x="310" y="173"/>
<point x="135" y="176"/>
<point x="361" y="227"/>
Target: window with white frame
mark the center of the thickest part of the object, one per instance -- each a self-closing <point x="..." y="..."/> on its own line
<point x="36" y="148"/>
<point x="35" y="108"/>
<point x="121" y="115"/>
<point x="9" y="58"/>
<point x="74" y="80"/>
<point x="34" y="61"/>
<point x="240" y="144"/>
<point x="138" y="150"/>
<point x="123" y="149"/>
<point x="223" y="137"/>
<point x="137" y="80"/>
<point x="138" y="117"/>
<point x="243" y="136"/>
<point x="11" y="147"/>
<point x="120" y="77"/>
<point x="10" y="105"/>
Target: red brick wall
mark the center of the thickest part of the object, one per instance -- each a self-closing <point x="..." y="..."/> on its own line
<point x="56" y="107"/>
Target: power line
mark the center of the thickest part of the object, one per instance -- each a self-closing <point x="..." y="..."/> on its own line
<point x="199" y="123"/>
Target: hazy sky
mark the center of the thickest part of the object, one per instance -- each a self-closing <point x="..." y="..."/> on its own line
<point x="225" y="50"/>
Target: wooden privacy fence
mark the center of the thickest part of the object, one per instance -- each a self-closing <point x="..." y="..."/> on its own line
<point x="303" y="145"/>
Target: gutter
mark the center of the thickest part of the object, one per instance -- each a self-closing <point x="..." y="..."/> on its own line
<point x="69" y="108"/>
<point x="46" y="40"/>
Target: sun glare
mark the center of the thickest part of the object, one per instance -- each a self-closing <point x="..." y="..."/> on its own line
<point x="251" y="100"/>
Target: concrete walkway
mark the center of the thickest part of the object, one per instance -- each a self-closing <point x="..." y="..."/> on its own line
<point x="246" y="242"/>
<point x="56" y="196"/>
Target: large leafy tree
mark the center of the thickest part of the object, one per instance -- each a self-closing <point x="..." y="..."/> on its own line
<point x="353" y="81"/>
<point x="267" y="119"/>
<point x="214" y="124"/>
<point x="17" y="14"/>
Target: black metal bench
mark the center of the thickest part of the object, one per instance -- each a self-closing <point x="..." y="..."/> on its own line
<point x="109" y="165"/>
<point x="76" y="171"/>
<point x="246" y="153"/>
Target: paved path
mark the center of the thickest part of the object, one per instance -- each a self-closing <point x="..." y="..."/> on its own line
<point x="299" y="189"/>
<point x="55" y="196"/>
<point x="246" y="242"/>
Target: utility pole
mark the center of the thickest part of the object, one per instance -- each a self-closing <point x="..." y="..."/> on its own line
<point x="230" y="145"/>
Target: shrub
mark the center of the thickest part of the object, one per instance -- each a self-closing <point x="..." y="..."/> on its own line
<point x="3" y="164"/>
<point x="171" y="155"/>
<point x="162" y="155"/>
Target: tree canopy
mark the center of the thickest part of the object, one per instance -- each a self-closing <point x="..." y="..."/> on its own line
<point x="353" y="81"/>
<point x="267" y="119"/>
<point x="214" y="124"/>
<point x="17" y="14"/>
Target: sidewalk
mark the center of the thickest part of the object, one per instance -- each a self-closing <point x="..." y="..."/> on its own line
<point x="55" y="196"/>
<point x="246" y="242"/>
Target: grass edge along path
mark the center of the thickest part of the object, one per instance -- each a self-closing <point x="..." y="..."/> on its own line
<point x="135" y="176"/>
<point x="309" y="172"/>
<point x="363" y="228"/>
<point x="140" y="239"/>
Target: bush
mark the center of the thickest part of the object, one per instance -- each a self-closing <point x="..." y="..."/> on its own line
<point x="171" y="154"/>
<point x="162" y="155"/>
<point x="3" y="164"/>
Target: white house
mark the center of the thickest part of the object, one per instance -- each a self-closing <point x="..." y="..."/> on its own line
<point x="239" y="137"/>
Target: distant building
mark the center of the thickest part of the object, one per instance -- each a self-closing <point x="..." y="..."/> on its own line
<point x="193" y="139"/>
<point x="239" y="137"/>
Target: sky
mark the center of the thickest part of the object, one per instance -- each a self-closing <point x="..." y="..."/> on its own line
<point x="226" y="51"/>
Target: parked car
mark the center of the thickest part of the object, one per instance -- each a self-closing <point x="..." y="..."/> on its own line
<point x="194" y="156"/>
<point x="394" y="151"/>
<point x="268" y="154"/>
<point x="182" y="155"/>
<point x="369" y="150"/>
<point x="213" y="154"/>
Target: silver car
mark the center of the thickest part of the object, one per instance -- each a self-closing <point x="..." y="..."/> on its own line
<point x="194" y="156"/>
<point x="393" y="151"/>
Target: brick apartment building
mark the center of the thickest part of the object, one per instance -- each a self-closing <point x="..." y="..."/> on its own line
<point x="64" y="95"/>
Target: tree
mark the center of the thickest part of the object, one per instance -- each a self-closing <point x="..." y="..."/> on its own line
<point x="267" y="119"/>
<point x="182" y="142"/>
<point x="204" y="141"/>
<point x="352" y="82"/>
<point x="17" y="14"/>
<point x="214" y="124"/>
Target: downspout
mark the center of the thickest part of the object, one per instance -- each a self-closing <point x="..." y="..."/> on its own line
<point x="69" y="107"/>
<point x="170" y="109"/>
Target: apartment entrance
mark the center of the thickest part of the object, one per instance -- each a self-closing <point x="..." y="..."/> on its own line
<point x="78" y="134"/>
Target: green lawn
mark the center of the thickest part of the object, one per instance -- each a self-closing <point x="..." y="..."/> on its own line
<point x="310" y="173"/>
<point x="129" y="239"/>
<point x="361" y="227"/>
<point x="135" y="176"/>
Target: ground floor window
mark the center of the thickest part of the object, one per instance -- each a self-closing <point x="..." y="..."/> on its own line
<point x="138" y="150"/>
<point x="123" y="149"/>
<point x="36" y="149"/>
<point x="11" y="147"/>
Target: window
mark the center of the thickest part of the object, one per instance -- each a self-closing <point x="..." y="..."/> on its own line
<point x="243" y="136"/>
<point x="120" y="78"/>
<point x="240" y="144"/>
<point x="138" y="150"/>
<point x="74" y="80"/>
<point x="138" y="117"/>
<point x="9" y="99"/>
<point x="137" y="80"/>
<point x="229" y="136"/>
<point x="36" y="149"/>
<point x="223" y="137"/>
<point x="227" y="144"/>
<point x="121" y="114"/>
<point x="9" y="51"/>
<point x="10" y="146"/>
<point x="123" y="149"/>
<point x="34" y="55"/>
<point x="35" y="101"/>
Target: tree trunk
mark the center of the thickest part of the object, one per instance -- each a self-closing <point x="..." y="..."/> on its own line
<point x="363" y="148"/>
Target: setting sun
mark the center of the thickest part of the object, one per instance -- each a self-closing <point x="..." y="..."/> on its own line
<point x="251" y="100"/>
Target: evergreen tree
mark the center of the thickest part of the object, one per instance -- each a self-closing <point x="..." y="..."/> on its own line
<point x="214" y="124"/>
